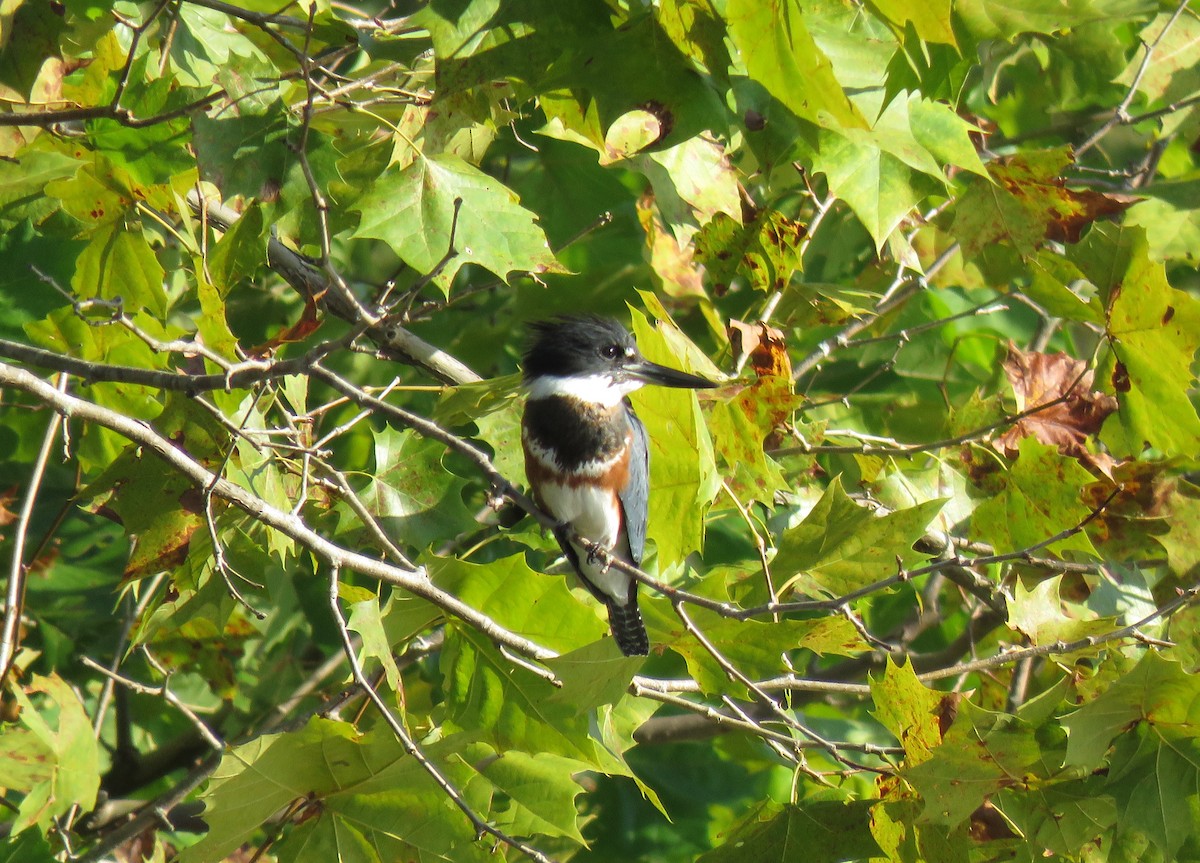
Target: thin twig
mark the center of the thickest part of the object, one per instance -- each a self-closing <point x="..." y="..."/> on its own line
<point x="162" y="691"/>
<point x="14" y="599"/>
<point x="1120" y="114"/>
<point x="481" y="826"/>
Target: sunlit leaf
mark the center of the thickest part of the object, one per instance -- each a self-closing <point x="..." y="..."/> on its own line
<point x="416" y="213"/>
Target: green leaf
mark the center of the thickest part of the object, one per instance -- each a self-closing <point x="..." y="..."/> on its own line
<point x="1173" y="75"/>
<point x="160" y="508"/>
<point x="413" y="211"/>
<point x="366" y="618"/>
<point x="841" y="546"/>
<point x="755" y="647"/>
<point x="877" y="185"/>
<point x="1004" y="19"/>
<point x="683" y="475"/>
<point x="910" y="711"/>
<point x="56" y="766"/>
<point x="1063" y="817"/>
<point x="1154" y="331"/>
<point x="242" y="252"/>
<point x="486" y="694"/>
<point x="119" y="264"/>
<point x="541" y="792"/>
<point x="1041" y="614"/>
<point x="27" y="848"/>
<point x="766" y="251"/>
<point x="740" y="430"/>
<point x="98" y="194"/>
<point x="1062" y="289"/>
<point x="538" y="606"/>
<point x="1154" y="777"/>
<point x="1012" y="208"/>
<point x="418" y="500"/>
<point x="369" y="791"/>
<point x="814" y="831"/>
<point x="930" y="21"/>
<point x="980" y="754"/>
<point x="1182" y="539"/>
<point x="1040" y="497"/>
<point x="22" y="182"/>
<point x="1156" y="691"/>
<point x="778" y="52"/>
<point x="693" y="183"/>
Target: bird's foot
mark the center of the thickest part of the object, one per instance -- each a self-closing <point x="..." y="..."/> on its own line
<point x="596" y="553"/>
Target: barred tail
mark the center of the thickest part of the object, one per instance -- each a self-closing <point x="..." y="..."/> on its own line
<point x="628" y="629"/>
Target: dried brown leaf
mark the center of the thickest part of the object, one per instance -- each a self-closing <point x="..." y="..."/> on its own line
<point x="1067" y="410"/>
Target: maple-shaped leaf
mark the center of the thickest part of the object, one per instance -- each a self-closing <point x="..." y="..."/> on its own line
<point x="766" y="250"/>
<point x="1072" y="409"/>
<point x="1027" y="203"/>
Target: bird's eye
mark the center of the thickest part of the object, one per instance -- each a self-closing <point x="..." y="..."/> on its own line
<point x="610" y="352"/>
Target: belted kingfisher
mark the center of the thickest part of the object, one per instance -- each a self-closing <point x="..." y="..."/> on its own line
<point x="586" y="452"/>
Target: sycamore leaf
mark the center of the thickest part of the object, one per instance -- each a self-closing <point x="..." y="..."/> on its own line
<point x="818" y="831"/>
<point x="538" y="606"/>
<point x="119" y="264"/>
<point x="779" y="52"/>
<point x="362" y="792"/>
<point x="513" y="707"/>
<point x="56" y="767"/>
<point x="1182" y="539"/>
<point x="413" y="211"/>
<point x="1042" y="379"/>
<point x="766" y="250"/>
<point x="540" y="790"/>
<point x="1026" y="203"/>
<point x="916" y="716"/>
<point x="981" y="753"/>
<point x="418" y="500"/>
<point x="879" y="186"/>
<point x="930" y="21"/>
<point x="1040" y="497"/>
<point x="754" y="647"/>
<point x="1004" y="19"/>
<point x="1155" y="690"/>
<point x="1040" y="614"/>
<point x="841" y="546"/>
<point x="683" y="473"/>
<point x="749" y="423"/>
<point x="1154" y="330"/>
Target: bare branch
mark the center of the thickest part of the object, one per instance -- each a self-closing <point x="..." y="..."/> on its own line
<point x="14" y="599"/>
<point x="290" y="525"/>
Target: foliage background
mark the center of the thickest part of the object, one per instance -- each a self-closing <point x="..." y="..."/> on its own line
<point x="925" y="563"/>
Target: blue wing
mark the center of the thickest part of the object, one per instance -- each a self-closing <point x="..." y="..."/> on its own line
<point x="635" y="497"/>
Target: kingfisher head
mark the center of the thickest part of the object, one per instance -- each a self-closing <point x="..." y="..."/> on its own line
<point x="595" y="360"/>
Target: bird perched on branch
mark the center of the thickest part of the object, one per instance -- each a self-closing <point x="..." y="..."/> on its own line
<point x="587" y="456"/>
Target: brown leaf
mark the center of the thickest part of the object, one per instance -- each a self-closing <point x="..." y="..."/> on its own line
<point x="7" y="498"/>
<point x="1073" y="410"/>
<point x="308" y="324"/>
<point x="770" y="398"/>
<point x="766" y="346"/>
<point x="1078" y="208"/>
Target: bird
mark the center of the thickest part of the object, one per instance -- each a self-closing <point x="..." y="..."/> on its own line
<point x="587" y="456"/>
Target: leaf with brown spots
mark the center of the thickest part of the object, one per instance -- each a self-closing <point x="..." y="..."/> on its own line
<point x="1027" y="203"/>
<point x="1069" y="411"/>
<point x="766" y="346"/>
<point x="766" y="251"/>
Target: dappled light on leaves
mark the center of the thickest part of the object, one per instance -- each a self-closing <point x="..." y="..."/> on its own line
<point x="920" y="569"/>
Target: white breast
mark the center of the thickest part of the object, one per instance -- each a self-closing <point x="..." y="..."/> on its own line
<point x="595" y="514"/>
